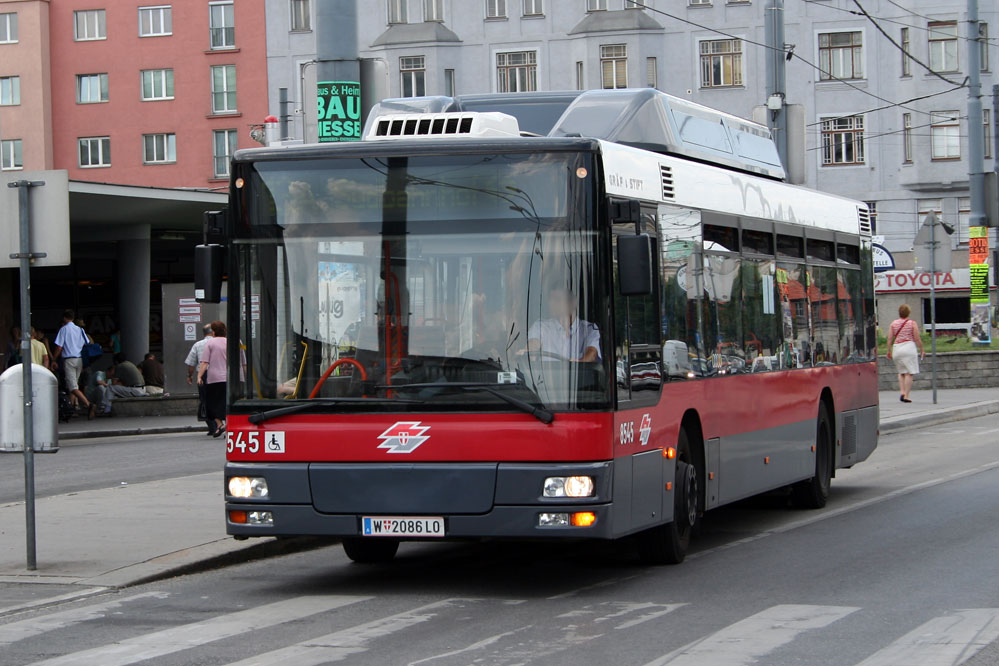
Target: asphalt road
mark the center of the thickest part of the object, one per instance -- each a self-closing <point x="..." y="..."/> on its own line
<point x="901" y="568"/>
<point x="85" y="464"/>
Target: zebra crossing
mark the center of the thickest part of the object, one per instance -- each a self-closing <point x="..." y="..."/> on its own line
<point x="484" y="631"/>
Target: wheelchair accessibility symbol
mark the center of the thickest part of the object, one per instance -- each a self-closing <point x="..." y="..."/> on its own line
<point x="273" y="441"/>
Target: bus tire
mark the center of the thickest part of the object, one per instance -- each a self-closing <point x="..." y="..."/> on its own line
<point x="813" y="493"/>
<point x="370" y="551"/>
<point x="668" y="544"/>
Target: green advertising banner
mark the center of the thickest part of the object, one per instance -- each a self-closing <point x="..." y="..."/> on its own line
<point x="339" y="111"/>
<point x="979" y="283"/>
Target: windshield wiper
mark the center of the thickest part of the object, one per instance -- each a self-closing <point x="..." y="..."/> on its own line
<point x="537" y="411"/>
<point x="269" y="414"/>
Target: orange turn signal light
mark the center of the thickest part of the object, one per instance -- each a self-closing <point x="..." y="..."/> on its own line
<point x="583" y="519"/>
<point x="669" y="452"/>
<point x="237" y="516"/>
<point x="669" y="485"/>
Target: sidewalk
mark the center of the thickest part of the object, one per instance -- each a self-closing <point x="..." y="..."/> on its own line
<point x="121" y="536"/>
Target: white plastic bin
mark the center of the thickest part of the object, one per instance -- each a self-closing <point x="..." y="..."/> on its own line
<point x="45" y="396"/>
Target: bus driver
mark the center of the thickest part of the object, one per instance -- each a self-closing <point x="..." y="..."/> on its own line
<point x="564" y="334"/>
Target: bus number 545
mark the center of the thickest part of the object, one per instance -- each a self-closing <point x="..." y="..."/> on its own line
<point x="248" y="442"/>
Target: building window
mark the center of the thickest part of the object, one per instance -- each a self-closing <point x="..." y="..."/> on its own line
<point x="906" y="50"/>
<point x="963" y="219"/>
<point x="983" y="45"/>
<point x="95" y="151"/>
<point x="159" y="148"/>
<point x="91" y="88"/>
<point x="907" y="138"/>
<point x="223" y="146"/>
<point x="841" y="55"/>
<point x="224" y="89"/>
<point x="634" y="4"/>
<point x="222" y="25"/>
<point x="943" y="46"/>
<point x="449" y="88"/>
<point x="157" y="84"/>
<point x="695" y="3"/>
<point x="8" y="28"/>
<point x="433" y="10"/>
<point x="721" y="63"/>
<point x="579" y="75"/>
<point x="517" y="71"/>
<point x="10" y="90"/>
<point x="414" y="73"/>
<point x="651" y="73"/>
<point x="301" y="16"/>
<point x="397" y="11"/>
<point x="596" y="5"/>
<point x="987" y="132"/>
<point x="155" y="21"/>
<point x="843" y="141"/>
<point x="89" y="24"/>
<point x="495" y="8"/>
<point x="533" y="8"/>
<point x="11" y="154"/>
<point x="945" y="135"/>
<point x="614" y="66"/>
<point x="872" y="215"/>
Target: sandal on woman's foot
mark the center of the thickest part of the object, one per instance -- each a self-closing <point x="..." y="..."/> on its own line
<point x="906" y="400"/>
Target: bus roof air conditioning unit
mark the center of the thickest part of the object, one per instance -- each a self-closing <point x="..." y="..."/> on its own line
<point x="450" y="125"/>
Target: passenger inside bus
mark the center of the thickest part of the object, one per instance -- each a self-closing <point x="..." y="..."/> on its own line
<point x="564" y="334"/>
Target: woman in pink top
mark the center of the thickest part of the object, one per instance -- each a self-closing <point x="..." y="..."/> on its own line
<point x="212" y="373"/>
<point x="903" y="339"/>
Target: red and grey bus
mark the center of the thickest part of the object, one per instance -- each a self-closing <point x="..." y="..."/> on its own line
<point x="557" y="315"/>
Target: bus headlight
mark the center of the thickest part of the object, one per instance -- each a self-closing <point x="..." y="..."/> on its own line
<point x="248" y="486"/>
<point x="568" y="486"/>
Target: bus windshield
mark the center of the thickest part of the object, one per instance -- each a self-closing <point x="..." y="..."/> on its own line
<point x="410" y="276"/>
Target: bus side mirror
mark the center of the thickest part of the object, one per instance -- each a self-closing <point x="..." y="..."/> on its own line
<point x="634" y="265"/>
<point x="208" y="272"/>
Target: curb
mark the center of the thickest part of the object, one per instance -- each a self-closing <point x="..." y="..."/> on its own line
<point x="131" y="432"/>
<point x="899" y="424"/>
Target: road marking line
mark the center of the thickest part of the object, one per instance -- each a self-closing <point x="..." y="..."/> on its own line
<point x="339" y="645"/>
<point x="478" y="645"/>
<point x="747" y="640"/>
<point x="175" y="639"/>
<point x="849" y="508"/>
<point x="21" y="629"/>
<point x="943" y="641"/>
<point x="51" y="601"/>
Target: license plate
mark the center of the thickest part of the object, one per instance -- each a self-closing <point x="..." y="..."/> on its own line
<point x="402" y="526"/>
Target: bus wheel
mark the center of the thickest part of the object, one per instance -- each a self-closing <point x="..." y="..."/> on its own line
<point x="667" y="544"/>
<point x="814" y="492"/>
<point x="370" y="551"/>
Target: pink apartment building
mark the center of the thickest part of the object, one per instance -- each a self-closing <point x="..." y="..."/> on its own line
<point x="131" y="92"/>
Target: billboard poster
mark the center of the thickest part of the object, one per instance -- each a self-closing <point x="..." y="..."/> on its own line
<point x="338" y="112"/>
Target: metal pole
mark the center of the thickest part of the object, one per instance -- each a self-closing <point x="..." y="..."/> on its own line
<point x="776" y="79"/>
<point x="933" y="307"/>
<point x="29" y="434"/>
<point x="976" y="131"/>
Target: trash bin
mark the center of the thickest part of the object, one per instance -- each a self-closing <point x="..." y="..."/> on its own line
<point x="45" y="398"/>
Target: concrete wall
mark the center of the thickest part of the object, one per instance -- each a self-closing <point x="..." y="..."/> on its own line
<point x="954" y="370"/>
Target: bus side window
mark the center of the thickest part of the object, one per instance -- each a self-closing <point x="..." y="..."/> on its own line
<point x="680" y="236"/>
<point x="760" y="316"/>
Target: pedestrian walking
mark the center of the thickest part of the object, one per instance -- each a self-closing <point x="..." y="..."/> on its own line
<point x="212" y="373"/>
<point x="39" y="354"/>
<point x="193" y="360"/>
<point x="152" y="373"/>
<point x="14" y="347"/>
<point x="69" y="344"/>
<point x="903" y="341"/>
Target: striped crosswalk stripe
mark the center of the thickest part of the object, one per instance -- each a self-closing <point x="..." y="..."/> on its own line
<point x="21" y="629"/>
<point x="943" y="641"/>
<point x="340" y="645"/>
<point x="175" y="639"/>
<point x="747" y="640"/>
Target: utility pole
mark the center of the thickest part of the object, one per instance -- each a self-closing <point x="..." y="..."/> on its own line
<point x="976" y="136"/>
<point x="776" y="79"/>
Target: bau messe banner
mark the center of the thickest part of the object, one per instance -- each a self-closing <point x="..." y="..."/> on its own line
<point x="978" y="256"/>
<point x="339" y="111"/>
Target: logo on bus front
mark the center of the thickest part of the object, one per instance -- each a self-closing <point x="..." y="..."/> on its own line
<point x="404" y="437"/>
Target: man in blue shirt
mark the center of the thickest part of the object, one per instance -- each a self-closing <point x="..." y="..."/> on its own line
<point x="69" y="344"/>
